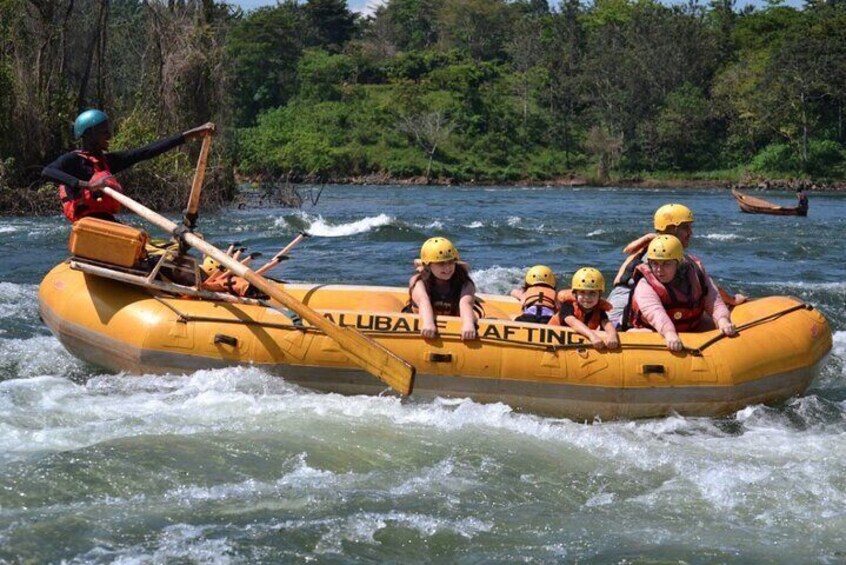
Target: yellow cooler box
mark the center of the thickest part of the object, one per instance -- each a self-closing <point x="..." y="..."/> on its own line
<point x="107" y="242"/>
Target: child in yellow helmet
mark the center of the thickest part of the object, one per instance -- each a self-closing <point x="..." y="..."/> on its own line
<point x="583" y="309"/>
<point x="672" y="295"/>
<point x="537" y="295"/>
<point x="442" y="286"/>
<point x="670" y="219"/>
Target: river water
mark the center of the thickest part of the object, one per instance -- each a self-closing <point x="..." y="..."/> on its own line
<point x="236" y="466"/>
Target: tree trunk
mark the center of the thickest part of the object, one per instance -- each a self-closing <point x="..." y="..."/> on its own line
<point x="89" y="55"/>
<point x="429" y="165"/>
<point x="804" y="132"/>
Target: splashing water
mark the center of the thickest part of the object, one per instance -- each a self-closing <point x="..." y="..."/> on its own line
<point x="238" y="466"/>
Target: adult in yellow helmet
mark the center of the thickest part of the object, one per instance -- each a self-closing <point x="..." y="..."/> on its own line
<point x="442" y="286"/>
<point x="670" y="219"/>
<point x="672" y="295"/>
<point x="82" y="172"/>
<point x="537" y="296"/>
<point x="582" y="308"/>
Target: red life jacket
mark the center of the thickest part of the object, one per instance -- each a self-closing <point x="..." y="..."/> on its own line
<point x="537" y="297"/>
<point x="684" y="310"/>
<point x="85" y="203"/>
<point x="590" y="319"/>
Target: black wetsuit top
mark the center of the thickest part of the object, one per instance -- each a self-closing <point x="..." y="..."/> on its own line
<point x="71" y="168"/>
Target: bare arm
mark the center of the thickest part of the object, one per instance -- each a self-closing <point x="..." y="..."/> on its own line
<point x="612" y="340"/>
<point x="465" y="310"/>
<point x="576" y="324"/>
<point x="424" y="307"/>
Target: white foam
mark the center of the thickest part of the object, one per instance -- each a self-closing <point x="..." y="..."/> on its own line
<point x="361" y="527"/>
<point x="18" y="300"/>
<point x="322" y="228"/>
<point x="720" y="236"/>
<point x="839" y="339"/>
<point x="36" y="356"/>
<point x="476" y="225"/>
<point x="318" y="226"/>
<point x="498" y="280"/>
<point x="8" y="229"/>
<point x="175" y="543"/>
<point x="594" y="233"/>
<point x="513" y="221"/>
<point x="71" y="416"/>
<point x="825" y="286"/>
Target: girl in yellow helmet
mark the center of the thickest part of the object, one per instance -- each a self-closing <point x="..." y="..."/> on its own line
<point x="442" y="286"/>
<point x="582" y="308"/>
<point x="672" y="295"/>
<point x="670" y="219"/>
<point x="537" y="295"/>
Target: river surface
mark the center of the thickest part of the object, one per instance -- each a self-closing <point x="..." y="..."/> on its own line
<point x="236" y="466"/>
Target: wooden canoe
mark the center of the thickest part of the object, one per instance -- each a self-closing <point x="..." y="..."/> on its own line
<point x="753" y="205"/>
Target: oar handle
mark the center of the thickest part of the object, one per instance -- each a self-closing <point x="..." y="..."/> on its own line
<point x="276" y="259"/>
<point x="191" y="211"/>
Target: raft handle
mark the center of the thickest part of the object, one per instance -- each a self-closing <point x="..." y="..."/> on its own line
<point x="439" y="357"/>
<point x="654" y="369"/>
<point x="226" y="340"/>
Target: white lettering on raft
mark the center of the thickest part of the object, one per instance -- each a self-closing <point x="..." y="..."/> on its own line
<point x="500" y="332"/>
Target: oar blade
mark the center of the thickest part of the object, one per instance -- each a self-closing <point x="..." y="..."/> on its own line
<point x="371" y="356"/>
<point x="382" y="363"/>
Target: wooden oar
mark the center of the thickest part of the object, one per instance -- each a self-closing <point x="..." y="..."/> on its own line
<point x="366" y="353"/>
<point x="283" y="254"/>
<point x="191" y="212"/>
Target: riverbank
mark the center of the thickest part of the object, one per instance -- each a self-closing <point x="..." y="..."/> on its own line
<point x="41" y="201"/>
<point x="746" y="183"/>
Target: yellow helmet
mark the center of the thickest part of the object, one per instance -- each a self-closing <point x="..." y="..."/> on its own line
<point x="672" y="215"/>
<point x="541" y="274"/>
<point x="438" y="250"/>
<point x="665" y="248"/>
<point x="209" y="266"/>
<point x="588" y="278"/>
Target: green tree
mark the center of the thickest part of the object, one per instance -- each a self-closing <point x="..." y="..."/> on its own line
<point x="264" y="49"/>
<point x="479" y="28"/>
<point x="683" y="130"/>
<point x="329" y="24"/>
<point x="323" y="75"/>
<point x="412" y="23"/>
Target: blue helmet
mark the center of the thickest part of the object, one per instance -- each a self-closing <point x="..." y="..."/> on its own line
<point x="86" y="120"/>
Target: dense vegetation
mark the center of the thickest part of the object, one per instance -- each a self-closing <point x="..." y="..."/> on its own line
<point x="462" y="90"/>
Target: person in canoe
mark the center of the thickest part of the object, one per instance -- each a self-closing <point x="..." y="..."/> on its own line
<point x="81" y="172"/>
<point x="537" y="296"/>
<point x="672" y="295"/>
<point x="582" y="308"/>
<point x="802" y="196"/>
<point x="442" y="286"/>
<point x="670" y="219"/>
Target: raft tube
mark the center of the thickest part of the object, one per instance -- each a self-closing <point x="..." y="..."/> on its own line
<point x="541" y="369"/>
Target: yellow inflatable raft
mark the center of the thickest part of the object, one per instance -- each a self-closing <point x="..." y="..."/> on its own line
<point x="553" y="371"/>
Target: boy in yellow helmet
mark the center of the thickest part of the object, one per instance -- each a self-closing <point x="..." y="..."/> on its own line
<point x="582" y="308"/>
<point x="537" y="295"/>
